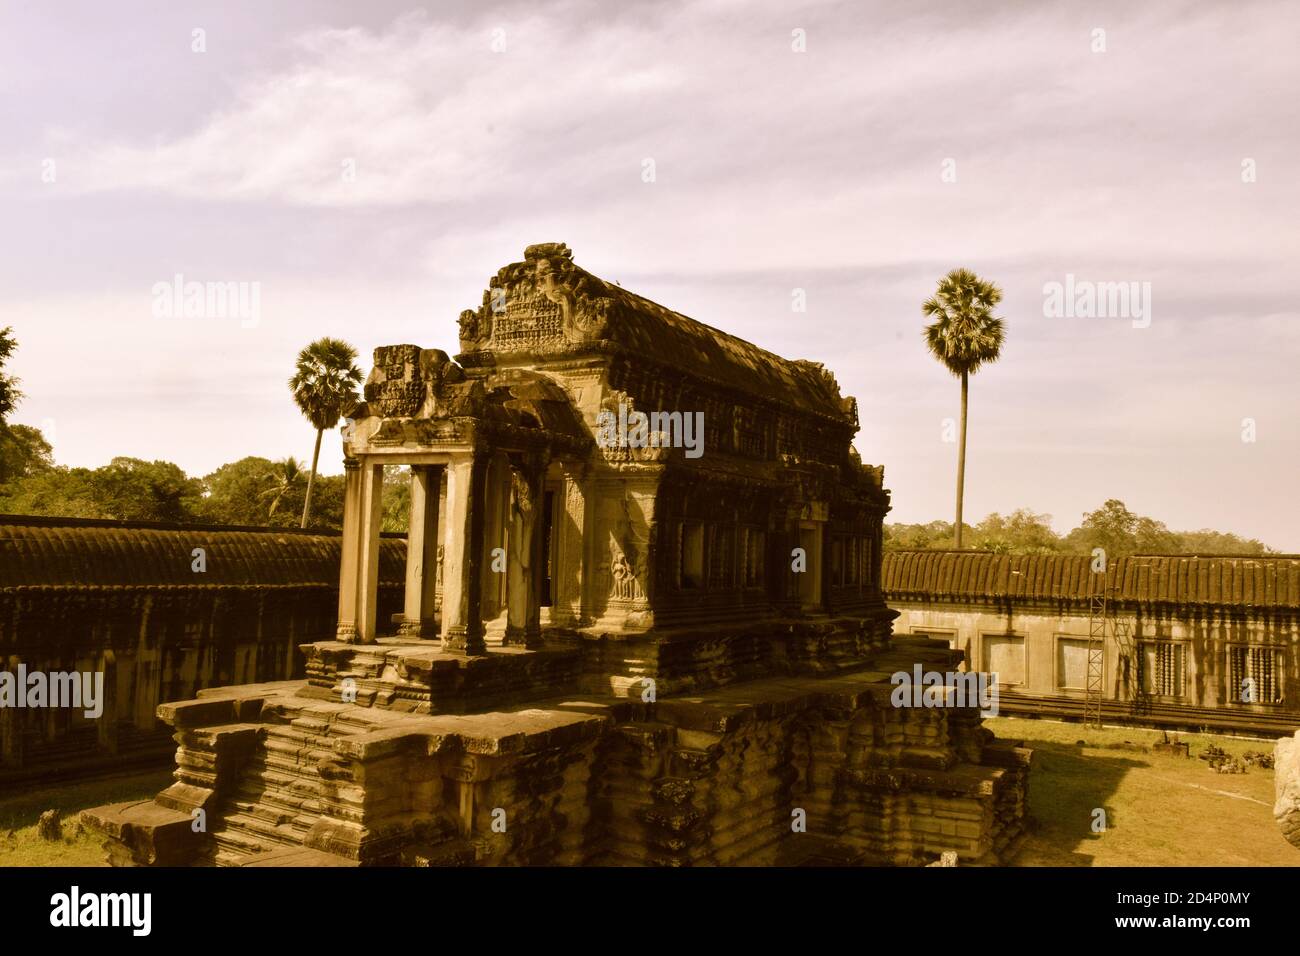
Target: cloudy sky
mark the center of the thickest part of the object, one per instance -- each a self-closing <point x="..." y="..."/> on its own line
<point x="371" y="163"/>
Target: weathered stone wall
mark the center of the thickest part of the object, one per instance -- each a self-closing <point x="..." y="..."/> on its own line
<point x="129" y="600"/>
<point x="1203" y="606"/>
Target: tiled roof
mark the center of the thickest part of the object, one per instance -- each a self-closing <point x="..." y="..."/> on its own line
<point x="64" y="552"/>
<point x="1269" y="581"/>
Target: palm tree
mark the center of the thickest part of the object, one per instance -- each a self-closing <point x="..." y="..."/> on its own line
<point x="284" y="477"/>
<point x="964" y="336"/>
<point x="325" y="388"/>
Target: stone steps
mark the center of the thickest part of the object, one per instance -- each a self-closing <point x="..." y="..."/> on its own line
<point x="277" y="798"/>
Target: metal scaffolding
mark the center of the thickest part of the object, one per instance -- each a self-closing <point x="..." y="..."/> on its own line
<point x="1097" y="606"/>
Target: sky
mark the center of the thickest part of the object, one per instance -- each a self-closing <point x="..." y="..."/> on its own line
<point x="369" y="165"/>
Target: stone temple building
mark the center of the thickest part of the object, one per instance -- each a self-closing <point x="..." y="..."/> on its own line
<point x="642" y="624"/>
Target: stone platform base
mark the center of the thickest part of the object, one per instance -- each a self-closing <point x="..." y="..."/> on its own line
<point x="786" y="771"/>
<point x="420" y="677"/>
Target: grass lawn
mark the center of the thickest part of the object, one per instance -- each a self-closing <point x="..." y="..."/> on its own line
<point x="1161" y="810"/>
<point x="19" y="844"/>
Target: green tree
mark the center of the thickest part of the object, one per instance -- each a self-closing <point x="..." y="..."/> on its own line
<point x="1206" y="541"/>
<point x="1120" y="531"/>
<point x="936" y="536"/>
<point x="23" y="452"/>
<point x="396" y="498"/>
<point x="9" y="394"/>
<point x="62" y="492"/>
<point x="126" y="489"/>
<point x="233" y="493"/>
<point x="327" y="503"/>
<point x="131" y="489"/>
<point x="1021" y="532"/>
<point x="1110" y="527"/>
<point x="324" y="386"/>
<point x="282" y="480"/>
<point x="964" y="336"/>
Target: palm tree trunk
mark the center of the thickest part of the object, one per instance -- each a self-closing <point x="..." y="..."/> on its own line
<point x="961" y="456"/>
<point x="315" y="456"/>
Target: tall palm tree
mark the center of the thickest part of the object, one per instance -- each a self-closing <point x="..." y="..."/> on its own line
<point x="284" y="476"/>
<point x="964" y="336"/>
<point x="325" y="388"/>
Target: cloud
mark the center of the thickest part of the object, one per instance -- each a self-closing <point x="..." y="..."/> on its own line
<point x="774" y="170"/>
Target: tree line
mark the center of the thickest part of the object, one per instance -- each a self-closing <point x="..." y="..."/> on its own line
<point x="250" y="491"/>
<point x="1112" y="526"/>
<point x="284" y="493"/>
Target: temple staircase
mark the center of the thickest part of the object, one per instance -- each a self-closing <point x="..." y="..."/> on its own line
<point x="277" y="799"/>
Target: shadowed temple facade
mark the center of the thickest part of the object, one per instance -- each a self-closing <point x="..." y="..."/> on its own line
<point x="642" y="624"/>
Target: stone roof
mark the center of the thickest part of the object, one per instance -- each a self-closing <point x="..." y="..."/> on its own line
<point x="552" y="305"/>
<point x="679" y="341"/>
<point x="70" y="552"/>
<point x="976" y="576"/>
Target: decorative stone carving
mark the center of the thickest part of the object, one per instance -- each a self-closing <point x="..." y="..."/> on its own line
<point x="475" y="329"/>
<point x="394" y="388"/>
<point x="410" y="382"/>
<point x="623" y="575"/>
<point x="540" y="304"/>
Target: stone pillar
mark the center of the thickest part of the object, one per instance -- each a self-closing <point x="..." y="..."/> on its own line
<point x="462" y="574"/>
<point x="539" y="548"/>
<point x="568" y="521"/>
<point x="349" y="585"/>
<point x="11" y="729"/>
<point x="526" y="568"/>
<point x="422" y="552"/>
<point x="371" y="518"/>
<point x="106" y="731"/>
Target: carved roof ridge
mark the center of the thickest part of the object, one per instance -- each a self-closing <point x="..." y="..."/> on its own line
<point x="547" y="304"/>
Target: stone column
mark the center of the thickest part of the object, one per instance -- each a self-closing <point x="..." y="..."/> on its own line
<point x="106" y="731"/>
<point x="539" y="548"/>
<point x="372" y="516"/>
<point x="349" y="585"/>
<point x="422" y="552"/>
<point x="462" y="569"/>
<point x="525" y="569"/>
<point x="11" y="730"/>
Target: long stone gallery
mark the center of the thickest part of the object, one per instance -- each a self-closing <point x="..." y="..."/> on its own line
<point x="607" y="651"/>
